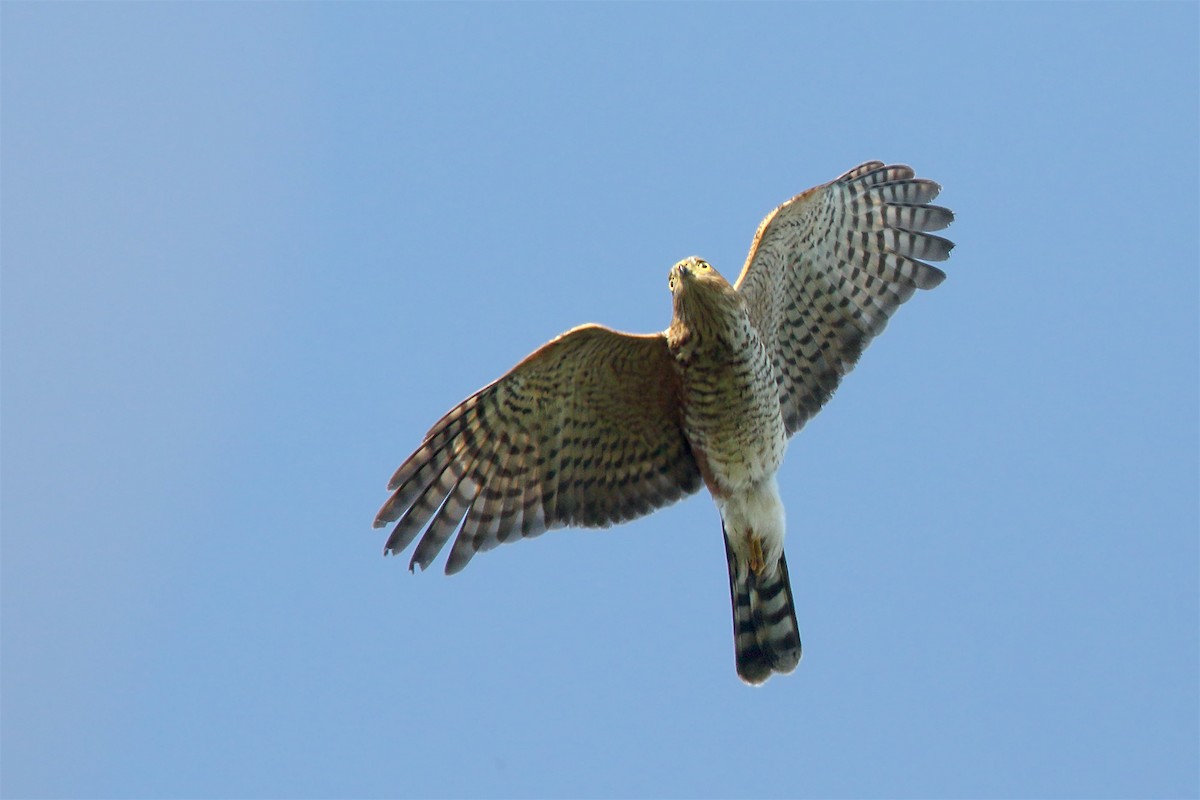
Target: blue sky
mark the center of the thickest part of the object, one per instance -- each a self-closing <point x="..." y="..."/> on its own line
<point x="252" y="251"/>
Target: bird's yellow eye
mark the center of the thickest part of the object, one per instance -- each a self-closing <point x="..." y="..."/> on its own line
<point x="671" y="283"/>
<point x="705" y="265"/>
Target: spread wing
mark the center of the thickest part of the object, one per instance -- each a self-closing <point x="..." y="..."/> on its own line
<point x="585" y="431"/>
<point x="828" y="268"/>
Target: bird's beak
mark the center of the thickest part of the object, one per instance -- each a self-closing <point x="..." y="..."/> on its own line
<point x="683" y="270"/>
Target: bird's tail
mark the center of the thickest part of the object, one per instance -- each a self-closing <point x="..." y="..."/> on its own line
<point x="766" y="637"/>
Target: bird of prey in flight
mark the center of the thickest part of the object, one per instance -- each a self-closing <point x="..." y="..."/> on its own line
<point x="598" y="427"/>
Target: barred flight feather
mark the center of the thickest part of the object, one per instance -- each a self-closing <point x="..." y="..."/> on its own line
<point x="766" y="635"/>
<point x="539" y="449"/>
<point x="828" y="269"/>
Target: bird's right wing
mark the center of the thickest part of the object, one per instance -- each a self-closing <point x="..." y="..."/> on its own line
<point x="828" y="268"/>
<point x="585" y="431"/>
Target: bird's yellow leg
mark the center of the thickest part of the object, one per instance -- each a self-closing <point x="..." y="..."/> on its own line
<point x="756" y="554"/>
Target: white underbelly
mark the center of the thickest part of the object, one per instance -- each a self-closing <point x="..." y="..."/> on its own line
<point x="754" y="512"/>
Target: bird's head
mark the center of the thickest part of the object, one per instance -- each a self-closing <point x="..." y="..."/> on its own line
<point x="694" y="274"/>
<point x="703" y="300"/>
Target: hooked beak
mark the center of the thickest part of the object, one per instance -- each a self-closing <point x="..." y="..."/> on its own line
<point x="683" y="269"/>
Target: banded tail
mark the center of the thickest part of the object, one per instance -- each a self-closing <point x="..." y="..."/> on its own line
<point x="766" y="637"/>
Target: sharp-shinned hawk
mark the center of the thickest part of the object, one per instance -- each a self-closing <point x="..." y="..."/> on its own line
<point x="598" y="427"/>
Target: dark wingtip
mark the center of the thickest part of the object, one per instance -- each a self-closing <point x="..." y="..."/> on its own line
<point x="929" y="278"/>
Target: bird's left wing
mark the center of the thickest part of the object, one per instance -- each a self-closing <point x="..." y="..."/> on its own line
<point x="586" y="431"/>
<point x="828" y="268"/>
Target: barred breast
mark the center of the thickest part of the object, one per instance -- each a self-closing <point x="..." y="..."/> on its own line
<point x="731" y="411"/>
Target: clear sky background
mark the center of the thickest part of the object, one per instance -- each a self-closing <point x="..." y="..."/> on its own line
<point x="252" y="251"/>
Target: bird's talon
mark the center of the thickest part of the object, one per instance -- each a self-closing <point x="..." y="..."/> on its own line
<point x="756" y="555"/>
